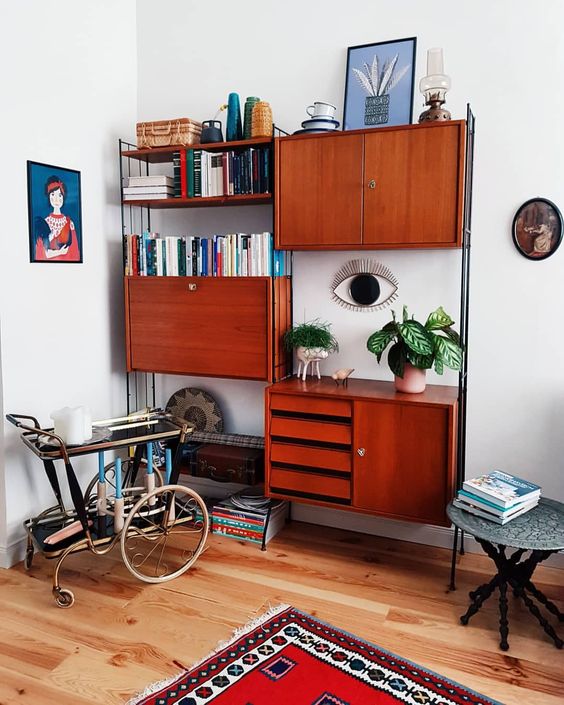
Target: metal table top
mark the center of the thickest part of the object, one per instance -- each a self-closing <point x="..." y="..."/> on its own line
<point x="541" y="528"/>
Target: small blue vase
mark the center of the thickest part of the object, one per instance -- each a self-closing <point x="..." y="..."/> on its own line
<point x="234" y="127"/>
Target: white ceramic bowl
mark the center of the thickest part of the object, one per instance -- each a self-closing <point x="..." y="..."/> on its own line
<point x="319" y="123"/>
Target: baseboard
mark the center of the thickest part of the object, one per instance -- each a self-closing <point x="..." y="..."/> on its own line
<point x="439" y="536"/>
<point x="13" y="553"/>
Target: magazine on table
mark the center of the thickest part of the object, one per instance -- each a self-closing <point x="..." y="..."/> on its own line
<point x="502" y="489"/>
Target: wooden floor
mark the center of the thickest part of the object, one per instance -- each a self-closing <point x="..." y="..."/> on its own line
<point x="122" y="635"/>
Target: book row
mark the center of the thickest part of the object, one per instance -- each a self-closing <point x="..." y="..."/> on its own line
<point x="197" y="173"/>
<point x="248" y="525"/>
<point x="232" y="255"/>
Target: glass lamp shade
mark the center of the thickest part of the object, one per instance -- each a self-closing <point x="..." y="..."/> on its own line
<point x="434" y="86"/>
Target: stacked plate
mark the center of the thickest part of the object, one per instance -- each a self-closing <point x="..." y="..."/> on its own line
<point x="318" y="124"/>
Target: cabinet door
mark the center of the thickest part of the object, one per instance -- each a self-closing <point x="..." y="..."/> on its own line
<point x="319" y="191"/>
<point x="406" y="469"/>
<point x="219" y="329"/>
<point x="413" y="186"/>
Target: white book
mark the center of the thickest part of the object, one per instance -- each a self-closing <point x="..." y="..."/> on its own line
<point x="147" y="196"/>
<point x="501" y="488"/>
<point x="156" y="180"/>
<point x="137" y="190"/>
<point x="490" y="508"/>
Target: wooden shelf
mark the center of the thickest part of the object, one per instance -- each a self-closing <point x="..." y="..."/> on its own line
<point x="250" y="199"/>
<point x="164" y="154"/>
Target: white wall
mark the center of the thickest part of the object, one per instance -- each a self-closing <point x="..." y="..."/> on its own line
<point x="68" y="84"/>
<point x="506" y="59"/>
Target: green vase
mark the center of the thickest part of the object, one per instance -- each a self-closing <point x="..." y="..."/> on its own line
<point x="248" y="114"/>
<point x="234" y="129"/>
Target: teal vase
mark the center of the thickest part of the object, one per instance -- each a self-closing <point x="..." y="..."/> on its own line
<point x="248" y="115"/>
<point x="234" y="128"/>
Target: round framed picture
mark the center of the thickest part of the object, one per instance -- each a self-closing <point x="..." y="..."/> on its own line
<point x="537" y="228"/>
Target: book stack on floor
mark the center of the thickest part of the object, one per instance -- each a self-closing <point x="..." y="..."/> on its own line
<point x="498" y="496"/>
<point x="148" y="188"/>
<point x="248" y="516"/>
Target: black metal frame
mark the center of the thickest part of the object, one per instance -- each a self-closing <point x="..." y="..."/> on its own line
<point x="464" y="311"/>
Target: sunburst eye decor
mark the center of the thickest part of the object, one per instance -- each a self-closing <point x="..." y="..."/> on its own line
<point x="364" y="285"/>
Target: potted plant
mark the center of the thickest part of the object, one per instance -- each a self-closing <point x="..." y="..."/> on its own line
<point x="416" y="348"/>
<point x="312" y="341"/>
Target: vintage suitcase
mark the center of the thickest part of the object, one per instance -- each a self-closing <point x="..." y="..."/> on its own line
<point x="168" y="133"/>
<point x="230" y="463"/>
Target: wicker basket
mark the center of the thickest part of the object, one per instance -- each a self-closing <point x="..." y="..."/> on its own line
<point x="168" y="133"/>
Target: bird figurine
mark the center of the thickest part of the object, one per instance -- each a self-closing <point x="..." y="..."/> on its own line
<point x="342" y="375"/>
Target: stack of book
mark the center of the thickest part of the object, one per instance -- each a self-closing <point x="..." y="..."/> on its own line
<point x="249" y="517"/>
<point x="497" y="496"/>
<point x="232" y="255"/>
<point x="148" y="188"/>
<point x="201" y="174"/>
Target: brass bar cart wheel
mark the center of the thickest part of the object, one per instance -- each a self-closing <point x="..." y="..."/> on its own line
<point x="63" y="597"/>
<point x="164" y="533"/>
<point x="29" y="551"/>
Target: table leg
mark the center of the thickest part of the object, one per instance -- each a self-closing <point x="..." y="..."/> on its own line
<point x="550" y="606"/>
<point x="453" y="559"/>
<point x="503" y="622"/>
<point x="481" y="595"/>
<point x="534" y="610"/>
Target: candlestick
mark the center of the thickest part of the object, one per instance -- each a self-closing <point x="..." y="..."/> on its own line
<point x="101" y="471"/>
<point x="118" y="478"/>
<point x="168" y="465"/>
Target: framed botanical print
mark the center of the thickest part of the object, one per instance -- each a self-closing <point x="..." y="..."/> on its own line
<point x="54" y="213"/>
<point x="537" y="228"/>
<point x="379" y="84"/>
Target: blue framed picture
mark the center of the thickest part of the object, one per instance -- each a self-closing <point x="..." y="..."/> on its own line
<point x="379" y="84"/>
<point x="54" y="213"/>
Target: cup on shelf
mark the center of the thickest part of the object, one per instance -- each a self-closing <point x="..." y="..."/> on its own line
<point x="321" y="109"/>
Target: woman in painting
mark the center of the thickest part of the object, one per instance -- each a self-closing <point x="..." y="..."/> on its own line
<point x="55" y="235"/>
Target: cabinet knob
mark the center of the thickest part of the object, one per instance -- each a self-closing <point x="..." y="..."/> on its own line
<point x="372" y="183"/>
<point x="192" y="287"/>
<point x="361" y="452"/>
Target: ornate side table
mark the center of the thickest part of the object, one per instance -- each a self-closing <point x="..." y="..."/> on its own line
<point x="540" y="531"/>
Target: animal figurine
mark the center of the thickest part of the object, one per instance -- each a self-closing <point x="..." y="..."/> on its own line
<point x="310" y="355"/>
<point x="342" y="375"/>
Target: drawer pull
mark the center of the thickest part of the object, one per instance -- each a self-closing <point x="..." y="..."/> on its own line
<point x="361" y="452"/>
<point x="372" y="184"/>
<point x="192" y="287"/>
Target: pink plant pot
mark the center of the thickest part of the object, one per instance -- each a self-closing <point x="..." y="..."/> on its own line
<point x="413" y="380"/>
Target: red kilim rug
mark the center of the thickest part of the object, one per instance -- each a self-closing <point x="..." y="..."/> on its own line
<point x="289" y="658"/>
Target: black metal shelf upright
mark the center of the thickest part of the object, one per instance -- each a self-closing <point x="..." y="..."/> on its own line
<point x="464" y="315"/>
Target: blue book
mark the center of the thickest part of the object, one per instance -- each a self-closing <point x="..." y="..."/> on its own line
<point x="502" y="489"/>
<point x="469" y="498"/>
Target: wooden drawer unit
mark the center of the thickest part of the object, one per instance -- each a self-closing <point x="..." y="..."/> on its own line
<point x="309" y="448"/>
<point x="365" y="447"/>
<point x="217" y="327"/>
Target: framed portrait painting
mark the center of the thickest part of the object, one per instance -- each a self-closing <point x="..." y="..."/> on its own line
<point x="54" y="213"/>
<point x="379" y="84"/>
<point x="537" y="228"/>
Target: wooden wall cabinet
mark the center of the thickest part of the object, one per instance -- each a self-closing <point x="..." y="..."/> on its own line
<point x="208" y="326"/>
<point x="396" y="187"/>
<point x="363" y="447"/>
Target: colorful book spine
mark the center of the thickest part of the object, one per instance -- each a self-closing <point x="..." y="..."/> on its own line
<point x="190" y="173"/>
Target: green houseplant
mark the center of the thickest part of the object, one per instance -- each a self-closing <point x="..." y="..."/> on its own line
<point x="417" y="347"/>
<point x="312" y="341"/>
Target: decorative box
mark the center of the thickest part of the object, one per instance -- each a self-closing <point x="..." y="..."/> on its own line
<point x="230" y="464"/>
<point x="168" y="133"/>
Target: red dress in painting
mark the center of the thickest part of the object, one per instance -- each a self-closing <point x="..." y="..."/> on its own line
<point x="62" y="233"/>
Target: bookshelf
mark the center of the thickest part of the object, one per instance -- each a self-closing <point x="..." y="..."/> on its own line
<point x="213" y="326"/>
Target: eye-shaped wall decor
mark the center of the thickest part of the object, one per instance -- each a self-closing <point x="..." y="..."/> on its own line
<point x="364" y="285"/>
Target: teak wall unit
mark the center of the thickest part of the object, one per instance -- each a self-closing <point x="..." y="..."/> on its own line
<point x="363" y="447"/>
<point x="386" y="188"/>
<point x="204" y="326"/>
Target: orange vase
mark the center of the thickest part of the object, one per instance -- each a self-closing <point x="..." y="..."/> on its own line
<point x="261" y="121"/>
<point x="413" y="380"/>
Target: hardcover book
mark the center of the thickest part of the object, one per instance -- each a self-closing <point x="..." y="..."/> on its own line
<point x="501" y="488"/>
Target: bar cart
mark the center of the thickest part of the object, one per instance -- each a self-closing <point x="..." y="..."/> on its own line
<point x="161" y="526"/>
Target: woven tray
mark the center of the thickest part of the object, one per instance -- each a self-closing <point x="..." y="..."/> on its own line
<point x="168" y="133"/>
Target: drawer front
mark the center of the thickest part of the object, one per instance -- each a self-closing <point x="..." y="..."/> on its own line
<point x="289" y="428"/>
<point x="310" y="405"/>
<point x="322" y="458"/>
<point x="308" y="484"/>
<point x="220" y="328"/>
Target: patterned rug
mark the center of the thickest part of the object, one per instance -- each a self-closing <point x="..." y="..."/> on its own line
<point x="287" y="657"/>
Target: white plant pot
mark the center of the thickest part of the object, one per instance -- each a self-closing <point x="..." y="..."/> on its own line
<point x="310" y="356"/>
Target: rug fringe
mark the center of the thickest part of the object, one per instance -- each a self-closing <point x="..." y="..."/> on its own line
<point x="236" y="634"/>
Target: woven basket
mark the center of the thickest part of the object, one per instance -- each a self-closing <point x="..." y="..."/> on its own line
<point x="261" y="122"/>
<point x="168" y="133"/>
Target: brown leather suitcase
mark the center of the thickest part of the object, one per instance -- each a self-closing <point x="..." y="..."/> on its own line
<point x="225" y="463"/>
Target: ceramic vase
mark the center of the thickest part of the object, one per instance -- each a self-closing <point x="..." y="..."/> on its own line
<point x="248" y="116"/>
<point x="413" y="380"/>
<point x="234" y="130"/>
